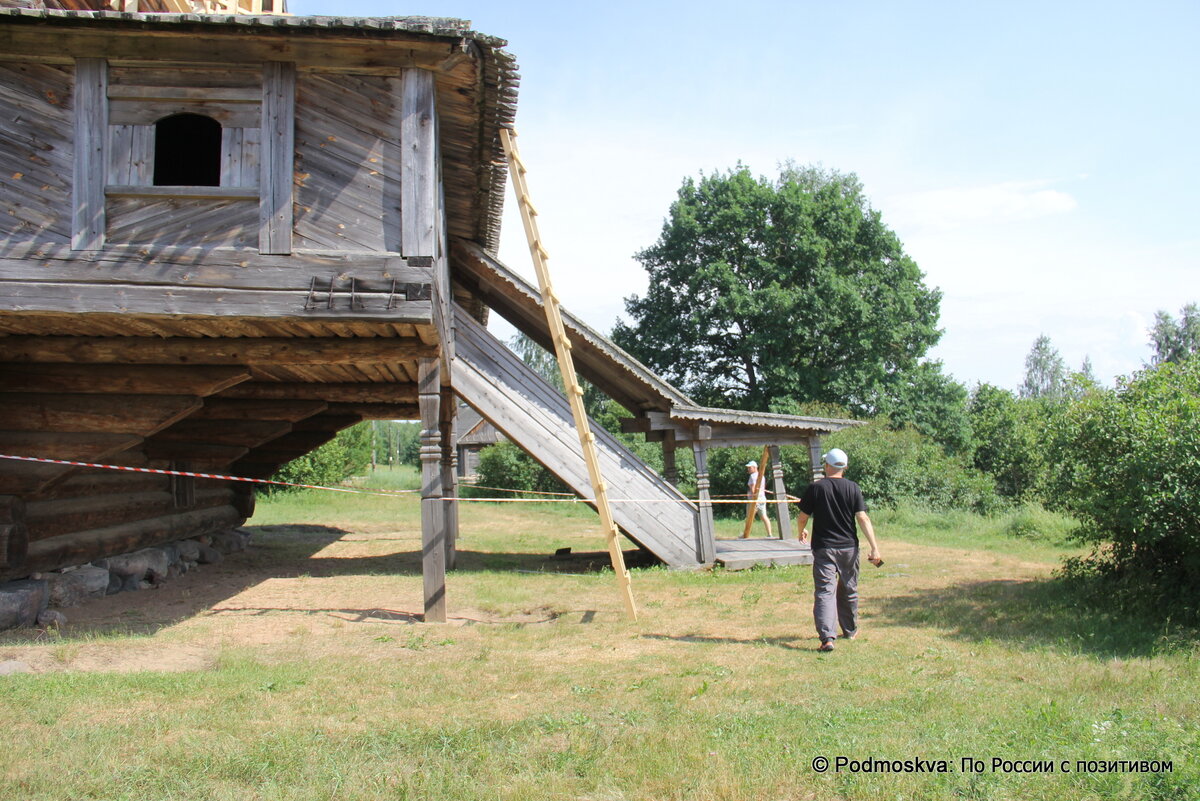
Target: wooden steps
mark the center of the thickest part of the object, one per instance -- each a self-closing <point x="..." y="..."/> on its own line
<point x="538" y="418"/>
<point x="741" y="554"/>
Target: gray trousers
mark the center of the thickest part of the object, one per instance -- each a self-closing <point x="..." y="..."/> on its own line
<point x="835" y="591"/>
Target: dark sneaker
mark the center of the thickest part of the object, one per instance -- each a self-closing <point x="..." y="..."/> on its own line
<point x="826" y="645"/>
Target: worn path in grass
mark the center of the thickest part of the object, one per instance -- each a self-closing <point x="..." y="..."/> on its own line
<point x="298" y="669"/>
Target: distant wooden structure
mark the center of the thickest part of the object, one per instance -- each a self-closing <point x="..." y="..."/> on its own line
<point x="225" y="238"/>
<point x="475" y="433"/>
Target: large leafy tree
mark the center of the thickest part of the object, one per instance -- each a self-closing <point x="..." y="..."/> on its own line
<point x="765" y="293"/>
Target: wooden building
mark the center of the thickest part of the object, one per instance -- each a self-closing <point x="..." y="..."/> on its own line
<point x="225" y="238"/>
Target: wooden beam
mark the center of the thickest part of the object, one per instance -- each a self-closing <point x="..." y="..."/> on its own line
<point x="328" y="421"/>
<point x="224" y="45"/>
<point x="228" y="268"/>
<point x="418" y="165"/>
<point x="238" y="409"/>
<point x="110" y="414"/>
<point x="161" y="300"/>
<point x="278" y="152"/>
<point x="27" y="478"/>
<point x="244" y="433"/>
<point x="91" y="128"/>
<point x="119" y="378"/>
<point x="378" y="411"/>
<point x="269" y="351"/>
<point x="204" y="456"/>
<point x="333" y="393"/>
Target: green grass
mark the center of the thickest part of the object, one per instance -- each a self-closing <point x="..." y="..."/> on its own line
<point x="542" y="690"/>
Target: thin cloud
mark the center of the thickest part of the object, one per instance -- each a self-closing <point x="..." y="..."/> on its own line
<point x="995" y="203"/>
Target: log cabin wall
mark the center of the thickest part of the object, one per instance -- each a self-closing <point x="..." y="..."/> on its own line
<point x="232" y="325"/>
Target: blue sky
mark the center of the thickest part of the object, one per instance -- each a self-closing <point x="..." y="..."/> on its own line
<point x="1039" y="161"/>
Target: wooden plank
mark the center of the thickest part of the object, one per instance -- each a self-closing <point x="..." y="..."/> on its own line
<point x="196" y="94"/>
<point x="418" y="165"/>
<point x="277" y="159"/>
<point x="91" y="126"/>
<point x="189" y="192"/>
<point x="433" y="528"/>
<point x="148" y="112"/>
<point x="227" y="82"/>
<point x="119" y="378"/>
<point x="212" y="351"/>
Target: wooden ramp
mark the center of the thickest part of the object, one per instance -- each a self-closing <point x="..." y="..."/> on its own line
<point x="740" y="554"/>
<point x="536" y="416"/>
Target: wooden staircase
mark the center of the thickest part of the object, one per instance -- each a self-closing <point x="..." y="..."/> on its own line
<point x="537" y="417"/>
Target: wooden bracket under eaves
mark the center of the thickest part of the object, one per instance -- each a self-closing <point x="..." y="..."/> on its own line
<point x="562" y="349"/>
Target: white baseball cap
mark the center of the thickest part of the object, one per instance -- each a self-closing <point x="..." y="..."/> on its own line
<point x="751" y="464"/>
<point x="836" y="458"/>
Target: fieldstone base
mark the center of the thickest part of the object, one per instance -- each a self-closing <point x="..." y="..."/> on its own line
<point x="23" y="602"/>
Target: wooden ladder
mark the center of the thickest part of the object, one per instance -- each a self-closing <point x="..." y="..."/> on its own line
<point x="562" y="349"/>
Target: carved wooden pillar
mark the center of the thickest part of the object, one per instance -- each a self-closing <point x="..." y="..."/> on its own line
<point x="814" y="455"/>
<point x="433" y="528"/>
<point x="783" y="513"/>
<point x="450" y="474"/>
<point x="706" y="544"/>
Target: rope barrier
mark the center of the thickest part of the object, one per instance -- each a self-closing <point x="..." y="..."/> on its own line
<point x="561" y="497"/>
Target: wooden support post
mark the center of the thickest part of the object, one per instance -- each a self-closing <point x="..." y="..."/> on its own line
<point x="814" y="456"/>
<point x="670" y="470"/>
<point x="277" y="158"/>
<point x="783" y="513"/>
<point x="433" y="530"/>
<point x="706" y="543"/>
<point x="450" y="474"/>
<point x="91" y="129"/>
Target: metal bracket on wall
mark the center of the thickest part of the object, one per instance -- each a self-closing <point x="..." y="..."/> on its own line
<point x="324" y="293"/>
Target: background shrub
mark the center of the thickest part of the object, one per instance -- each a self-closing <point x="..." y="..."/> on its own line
<point x="1130" y="473"/>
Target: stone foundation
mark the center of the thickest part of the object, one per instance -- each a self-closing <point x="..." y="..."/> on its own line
<point x="32" y="601"/>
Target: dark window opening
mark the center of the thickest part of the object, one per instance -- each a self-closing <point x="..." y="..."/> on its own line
<point x="187" y="151"/>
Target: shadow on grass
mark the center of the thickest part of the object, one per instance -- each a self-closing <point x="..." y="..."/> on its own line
<point x="1037" y="614"/>
<point x="787" y="643"/>
<point x="293" y="551"/>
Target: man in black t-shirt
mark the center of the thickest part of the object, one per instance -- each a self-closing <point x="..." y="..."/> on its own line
<point x="835" y="504"/>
